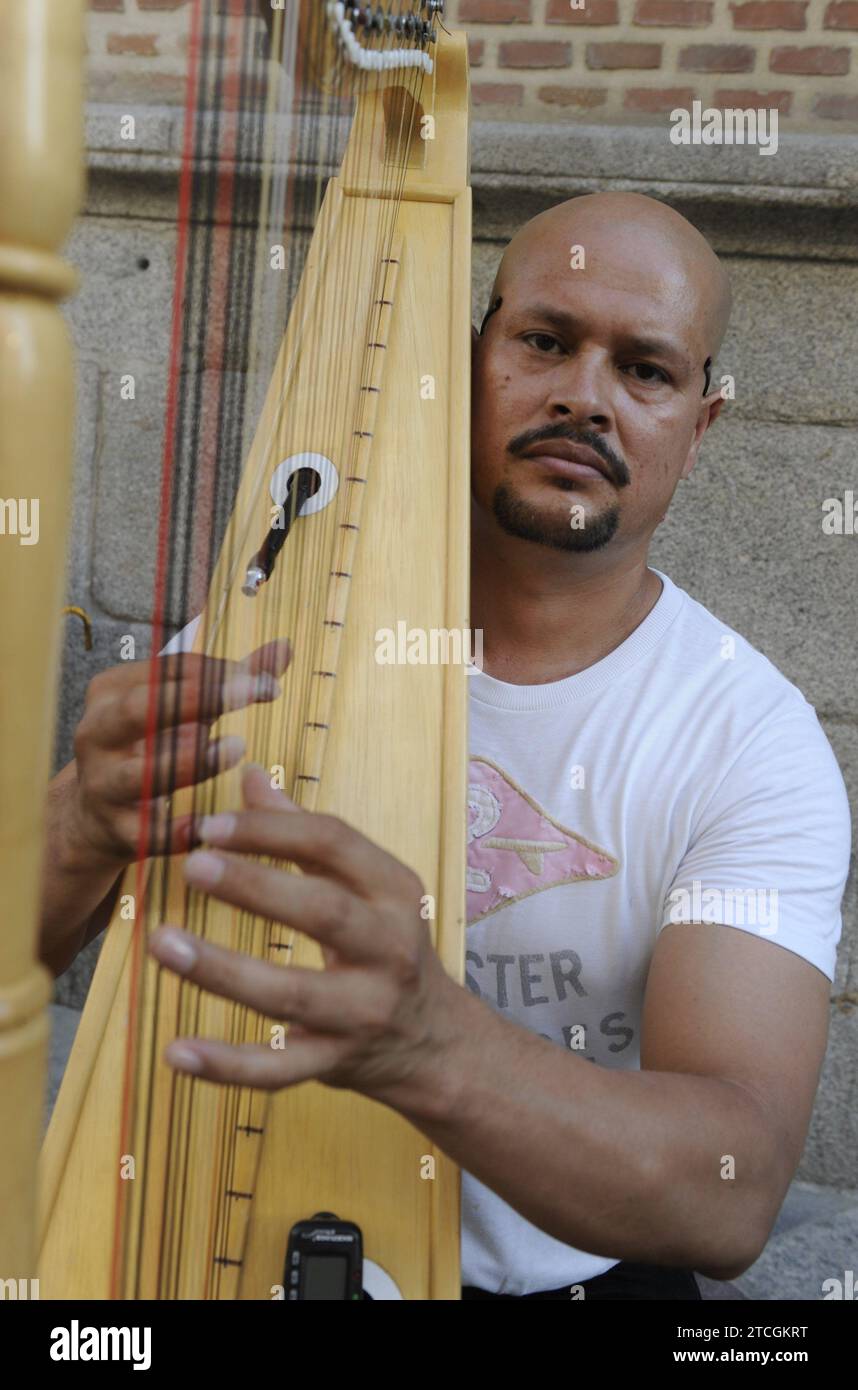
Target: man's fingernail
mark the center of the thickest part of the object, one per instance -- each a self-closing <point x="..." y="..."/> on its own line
<point x="225" y="750"/>
<point x="175" y="949"/>
<point x="279" y="649"/>
<point x="216" y="829"/>
<point x="185" y="1058"/>
<point x="267" y="686"/>
<point x="204" y="869"/>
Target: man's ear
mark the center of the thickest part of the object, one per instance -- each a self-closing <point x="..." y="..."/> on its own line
<point x="710" y="409"/>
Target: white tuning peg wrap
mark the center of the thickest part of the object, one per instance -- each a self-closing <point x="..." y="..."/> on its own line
<point x="372" y="59"/>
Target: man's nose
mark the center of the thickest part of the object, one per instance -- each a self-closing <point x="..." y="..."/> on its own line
<point x="581" y="387"/>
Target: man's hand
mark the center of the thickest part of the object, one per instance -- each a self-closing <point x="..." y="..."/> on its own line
<point x="117" y="785"/>
<point x="104" y="807"/>
<point x="378" y="1018"/>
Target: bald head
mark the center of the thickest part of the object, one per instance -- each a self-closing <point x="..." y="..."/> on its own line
<point x="632" y="244"/>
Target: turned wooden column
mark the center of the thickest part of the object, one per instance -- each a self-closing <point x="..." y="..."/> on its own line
<point x="41" y="179"/>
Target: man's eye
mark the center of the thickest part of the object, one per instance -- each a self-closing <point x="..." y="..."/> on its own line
<point x="658" y="377"/>
<point x="543" y="342"/>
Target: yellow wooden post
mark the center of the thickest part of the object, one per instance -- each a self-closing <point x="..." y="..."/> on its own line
<point x="41" y="176"/>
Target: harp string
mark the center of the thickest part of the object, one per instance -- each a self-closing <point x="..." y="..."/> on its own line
<point x="235" y="259"/>
<point x="259" y="1022"/>
<point x="137" y="999"/>
<point x="186" y="1025"/>
<point x="231" y="1128"/>
<point x="203" y="249"/>
<point x="222" y="1177"/>
<point x="191" y="248"/>
<point x="251" y="934"/>
<point x="276" y="943"/>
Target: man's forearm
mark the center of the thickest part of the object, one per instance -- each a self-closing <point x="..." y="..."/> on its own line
<point x="76" y="887"/>
<point x="625" y="1164"/>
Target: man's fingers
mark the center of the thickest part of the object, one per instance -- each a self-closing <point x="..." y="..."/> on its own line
<point x="314" y="842"/>
<point x="265" y="1068"/>
<point x="150" y="830"/>
<point x="258" y="792"/>
<point x="326" y="911"/>
<point x="272" y="657"/>
<point x="184" y="758"/>
<point x="322" y="1002"/>
<point x="116" y="720"/>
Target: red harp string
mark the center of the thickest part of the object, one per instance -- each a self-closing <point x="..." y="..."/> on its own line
<point x="205" y="433"/>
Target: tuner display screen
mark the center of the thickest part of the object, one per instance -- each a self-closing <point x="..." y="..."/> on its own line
<point x="325" y="1277"/>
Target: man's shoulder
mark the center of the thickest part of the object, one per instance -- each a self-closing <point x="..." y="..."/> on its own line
<point x="703" y="644"/>
<point x="738" y="703"/>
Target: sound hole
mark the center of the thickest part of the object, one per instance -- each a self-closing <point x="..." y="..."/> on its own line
<point x="320" y="464"/>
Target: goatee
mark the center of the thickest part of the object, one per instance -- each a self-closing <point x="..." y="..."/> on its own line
<point x="529" y="523"/>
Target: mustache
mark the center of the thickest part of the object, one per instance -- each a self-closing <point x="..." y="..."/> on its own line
<point x="617" y="470"/>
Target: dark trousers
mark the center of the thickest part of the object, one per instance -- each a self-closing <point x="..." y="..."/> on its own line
<point x="624" y="1281"/>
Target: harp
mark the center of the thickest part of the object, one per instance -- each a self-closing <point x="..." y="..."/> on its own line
<point x="162" y="1186"/>
<point x="41" y="184"/>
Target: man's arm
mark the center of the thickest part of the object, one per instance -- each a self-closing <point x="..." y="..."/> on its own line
<point x="688" y="1160"/>
<point x="685" y="1162"/>
<point x="629" y="1164"/>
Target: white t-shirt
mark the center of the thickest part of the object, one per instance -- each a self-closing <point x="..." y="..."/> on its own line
<point x="681" y="778"/>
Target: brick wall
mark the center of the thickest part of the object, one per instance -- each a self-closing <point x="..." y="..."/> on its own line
<point x="632" y="59"/>
<point x="543" y="60"/>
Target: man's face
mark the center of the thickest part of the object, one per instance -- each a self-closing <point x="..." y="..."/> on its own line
<point x="608" y="360"/>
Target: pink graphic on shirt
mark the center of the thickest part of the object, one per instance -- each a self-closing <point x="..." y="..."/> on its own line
<point x="516" y="848"/>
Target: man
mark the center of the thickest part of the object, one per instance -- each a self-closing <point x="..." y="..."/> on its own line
<point x="659" y="832"/>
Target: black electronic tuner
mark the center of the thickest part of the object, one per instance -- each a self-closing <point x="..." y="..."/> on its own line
<point x="324" y="1260"/>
